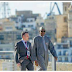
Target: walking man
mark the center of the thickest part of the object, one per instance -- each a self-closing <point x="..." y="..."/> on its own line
<point x="24" y="53"/>
<point x="41" y="45"/>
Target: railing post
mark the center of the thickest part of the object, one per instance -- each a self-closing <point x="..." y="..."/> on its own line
<point x="53" y="64"/>
<point x="14" y="62"/>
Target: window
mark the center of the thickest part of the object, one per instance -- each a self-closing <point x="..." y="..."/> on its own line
<point x="60" y="59"/>
<point x="9" y="36"/>
<point x="0" y="57"/>
<point x="7" y="57"/>
<point x="70" y="43"/>
<point x="71" y="59"/>
<point x="65" y="46"/>
<point x="59" y="53"/>
<point x="8" y="27"/>
<point x="59" y="46"/>
<point x="71" y="52"/>
<point x="55" y="31"/>
<point x="1" y="49"/>
<point x="18" y="37"/>
<point x="37" y="24"/>
<point x="65" y="53"/>
<point x="42" y="24"/>
<point x="65" y="19"/>
<point x="23" y="25"/>
<point x="31" y="20"/>
<point x="16" y="21"/>
<point x="30" y="25"/>
<point x="65" y="8"/>
<point x="52" y="17"/>
<point x="7" y="49"/>
<point x="66" y="59"/>
<point x="1" y="28"/>
<point x="1" y="37"/>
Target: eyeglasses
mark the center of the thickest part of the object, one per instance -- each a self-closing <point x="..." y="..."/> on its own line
<point x="42" y="31"/>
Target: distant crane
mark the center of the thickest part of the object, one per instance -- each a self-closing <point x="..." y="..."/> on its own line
<point x="4" y="9"/>
<point x="55" y="3"/>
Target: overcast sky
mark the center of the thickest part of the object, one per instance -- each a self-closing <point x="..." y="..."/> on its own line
<point x="41" y="7"/>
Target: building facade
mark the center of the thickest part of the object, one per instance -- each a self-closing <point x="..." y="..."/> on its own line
<point x="50" y="26"/>
<point x="64" y="51"/>
<point x="7" y="51"/>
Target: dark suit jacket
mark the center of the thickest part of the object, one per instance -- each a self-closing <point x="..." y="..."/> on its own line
<point x="21" y="51"/>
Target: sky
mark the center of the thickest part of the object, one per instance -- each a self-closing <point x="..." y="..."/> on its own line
<point x="41" y="7"/>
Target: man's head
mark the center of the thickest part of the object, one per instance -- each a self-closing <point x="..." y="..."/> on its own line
<point x="42" y="31"/>
<point x="25" y="36"/>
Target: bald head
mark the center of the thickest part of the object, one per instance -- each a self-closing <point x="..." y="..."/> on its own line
<point x="42" y="31"/>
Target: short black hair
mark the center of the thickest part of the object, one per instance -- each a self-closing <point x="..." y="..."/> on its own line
<point x="23" y="33"/>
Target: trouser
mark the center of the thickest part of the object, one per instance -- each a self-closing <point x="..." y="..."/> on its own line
<point x="27" y="64"/>
<point x="43" y="69"/>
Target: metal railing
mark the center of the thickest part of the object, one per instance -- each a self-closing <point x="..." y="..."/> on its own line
<point x="10" y="65"/>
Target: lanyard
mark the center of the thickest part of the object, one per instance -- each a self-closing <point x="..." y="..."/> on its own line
<point x="25" y="45"/>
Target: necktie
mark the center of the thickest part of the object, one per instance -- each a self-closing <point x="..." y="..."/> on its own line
<point x="26" y="44"/>
<point x="26" y="48"/>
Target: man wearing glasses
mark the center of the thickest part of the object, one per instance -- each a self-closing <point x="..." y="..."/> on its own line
<point x="41" y="45"/>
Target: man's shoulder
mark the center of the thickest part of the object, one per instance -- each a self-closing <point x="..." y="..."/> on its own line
<point x="19" y="42"/>
<point x="47" y="37"/>
<point x="28" y="42"/>
<point x="36" y="37"/>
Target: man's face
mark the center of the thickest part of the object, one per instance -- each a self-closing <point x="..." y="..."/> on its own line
<point x="26" y="36"/>
<point x="42" y="32"/>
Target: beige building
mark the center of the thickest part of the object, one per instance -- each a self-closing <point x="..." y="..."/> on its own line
<point x="9" y="26"/>
<point x="50" y="23"/>
<point x="59" y="22"/>
<point x="7" y="37"/>
<point x="50" y="26"/>
<point x="27" y="12"/>
<point x="1" y="23"/>
<point x="1" y="27"/>
<point x="63" y="23"/>
<point x="4" y="20"/>
<point x="70" y="22"/>
<point x="39" y="22"/>
<point x="62" y="27"/>
<point x="6" y="25"/>
<point x="66" y="5"/>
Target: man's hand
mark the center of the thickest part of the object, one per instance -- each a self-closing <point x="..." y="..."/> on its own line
<point x="55" y="58"/>
<point x="18" y="64"/>
<point x="36" y="63"/>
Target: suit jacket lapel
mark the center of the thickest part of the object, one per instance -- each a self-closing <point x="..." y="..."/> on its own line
<point x="23" y="45"/>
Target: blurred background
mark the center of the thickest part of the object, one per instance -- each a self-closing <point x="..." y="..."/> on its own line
<point x="16" y="17"/>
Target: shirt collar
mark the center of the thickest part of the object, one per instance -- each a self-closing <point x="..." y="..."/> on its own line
<point x="41" y="36"/>
<point x="23" y="40"/>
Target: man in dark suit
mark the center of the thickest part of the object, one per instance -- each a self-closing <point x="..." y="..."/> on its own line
<point x="23" y="54"/>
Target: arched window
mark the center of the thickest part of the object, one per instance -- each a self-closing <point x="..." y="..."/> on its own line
<point x="65" y="8"/>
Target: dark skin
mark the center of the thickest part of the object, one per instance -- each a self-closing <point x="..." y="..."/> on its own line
<point x="42" y="33"/>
